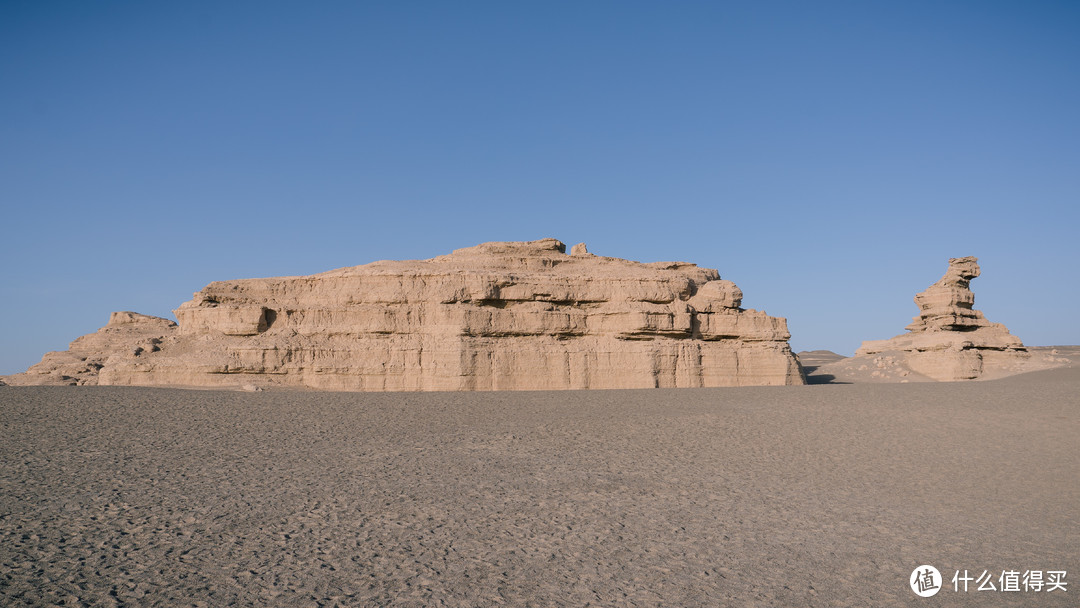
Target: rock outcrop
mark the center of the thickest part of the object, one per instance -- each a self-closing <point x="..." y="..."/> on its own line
<point x="498" y="316"/>
<point x="127" y="335"/>
<point x="950" y="340"/>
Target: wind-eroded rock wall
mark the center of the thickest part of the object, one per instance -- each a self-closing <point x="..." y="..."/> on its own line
<point x="498" y="316"/>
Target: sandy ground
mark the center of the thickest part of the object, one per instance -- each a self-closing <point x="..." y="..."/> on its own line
<point x="788" y="496"/>
<point x="827" y="367"/>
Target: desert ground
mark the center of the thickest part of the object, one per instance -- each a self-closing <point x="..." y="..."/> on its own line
<point x="822" y="495"/>
<point x="827" y="367"/>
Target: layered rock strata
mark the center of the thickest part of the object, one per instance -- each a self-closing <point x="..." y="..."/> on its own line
<point x="950" y="340"/>
<point x="498" y="316"/>
<point x="127" y="336"/>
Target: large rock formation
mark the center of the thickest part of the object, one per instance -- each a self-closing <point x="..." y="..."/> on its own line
<point x="949" y="339"/>
<point x="498" y="316"/>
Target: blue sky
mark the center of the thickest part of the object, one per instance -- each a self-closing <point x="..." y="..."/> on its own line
<point x="828" y="157"/>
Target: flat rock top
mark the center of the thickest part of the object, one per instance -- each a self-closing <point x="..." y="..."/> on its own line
<point x="546" y="256"/>
<point x="818" y="357"/>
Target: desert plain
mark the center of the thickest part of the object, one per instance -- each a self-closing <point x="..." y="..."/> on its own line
<point x="821" y="495"/>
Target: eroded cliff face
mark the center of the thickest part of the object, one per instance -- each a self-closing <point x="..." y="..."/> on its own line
<point x="949" y="340"/>
<point x="498" y="316"/>
<point x="127" y="336"/>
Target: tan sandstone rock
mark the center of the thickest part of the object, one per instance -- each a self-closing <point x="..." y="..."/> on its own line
<point x="950" y="340"/>
<point x="579" y="249"/>
<point x="498" y="316"/>
<point x="128" y="335"/>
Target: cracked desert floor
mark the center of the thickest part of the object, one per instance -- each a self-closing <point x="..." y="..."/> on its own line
<point x="774" y="496"/>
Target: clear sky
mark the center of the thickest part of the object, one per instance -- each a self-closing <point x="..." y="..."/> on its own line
<point x="828" y="157"/>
